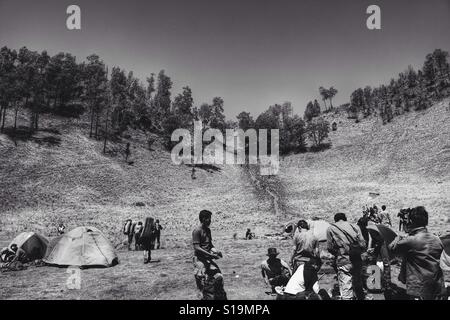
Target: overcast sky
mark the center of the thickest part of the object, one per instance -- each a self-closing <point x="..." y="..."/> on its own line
<point x="252" y="53"/>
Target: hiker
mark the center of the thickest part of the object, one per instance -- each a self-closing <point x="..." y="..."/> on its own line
<point x="249" y="235"/>
<point x="61" y="229"/>
<point x="207" y="272"/>
<point x="345" y="243"/>
<point x="137" y="235"/>
<point x="306" y="245"/>
<point x="384" y="217"/>
<point x="158" y="229"/>
<point x="304" y="281"/>
<point x="128" y="231"/>
<point x="420" y="251"/>
<point x="127" y="151"/>
<point x="275" y="271"/>
<point x="147" y="238"/>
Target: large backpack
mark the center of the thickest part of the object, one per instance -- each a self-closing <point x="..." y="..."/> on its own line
<point x="355" y="249"/>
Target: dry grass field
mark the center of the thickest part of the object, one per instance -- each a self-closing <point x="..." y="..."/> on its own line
<point x="62" y="175"/>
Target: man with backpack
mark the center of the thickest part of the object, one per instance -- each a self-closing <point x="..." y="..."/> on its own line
<point x="346" y="244"/>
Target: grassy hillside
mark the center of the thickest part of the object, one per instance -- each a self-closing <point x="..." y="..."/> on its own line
<point x="407" y="161"/>
<point x="62" y="175"/>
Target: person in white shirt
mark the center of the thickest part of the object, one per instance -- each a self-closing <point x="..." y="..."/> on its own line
<point x="304" y="280"/>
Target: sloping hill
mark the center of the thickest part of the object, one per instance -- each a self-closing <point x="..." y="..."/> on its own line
<point x="74" y="182"/>
<point x="407" y="161"/>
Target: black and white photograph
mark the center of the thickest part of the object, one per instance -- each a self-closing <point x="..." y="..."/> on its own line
<point x="195" y="150"/>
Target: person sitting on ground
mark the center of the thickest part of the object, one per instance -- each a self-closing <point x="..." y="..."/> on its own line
<point x="7" y="255"/>
<point x="346" y="244"/>
<point x="19" y="254"/>
<point x="421" y="252"/>
<point x="304" y="281"/>
<point x="137" y="235"/>
<point x="384" y="217"/>
<point x="275" y="271"/>
<point x="306" y="245"/>
<point x="207" y="272"/>
<point x="249" y="235"/>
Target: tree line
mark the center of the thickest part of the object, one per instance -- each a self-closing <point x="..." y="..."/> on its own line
<point x="113" y="100"/>
<point x="411" y="90"/>
<point x="116" y="100"/>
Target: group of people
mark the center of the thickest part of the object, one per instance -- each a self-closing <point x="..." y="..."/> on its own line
<point x="420" y="252"/>
<point x="146" y="236"/>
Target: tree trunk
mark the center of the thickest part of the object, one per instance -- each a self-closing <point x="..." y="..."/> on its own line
<point x="106" y="131"/>
<point x="3" y="118"/>
<point x="325" y="103"/>
<point x="92" y="121"/>
<point x="331" y="104"/>
<point x="15" y="118"/>
<point x="96" y="125"/>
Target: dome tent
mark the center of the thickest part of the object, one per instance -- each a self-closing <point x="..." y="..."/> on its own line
<point x="32" y="243"/>
<point x="82" y="247"/>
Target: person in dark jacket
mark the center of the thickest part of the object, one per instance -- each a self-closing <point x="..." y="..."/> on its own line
<point x="158" y="229"/>
<point x="421" y="252"/>
<point x="147" y="239"/>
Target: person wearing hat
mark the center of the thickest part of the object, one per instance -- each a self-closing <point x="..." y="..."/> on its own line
<point x="275" y="271"/>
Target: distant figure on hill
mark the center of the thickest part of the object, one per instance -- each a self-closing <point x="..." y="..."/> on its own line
<point x="249" y="235"/>
<point x="334" y="126"/>
<point x="137" y="235"/>
<point x="127" y="151"/>
<point x="275" y="272"/>
<point x="158" y="229"/>
<point x="193" y="173"/>
<point x="61" y="229"/>
<point x="208" y="277"/>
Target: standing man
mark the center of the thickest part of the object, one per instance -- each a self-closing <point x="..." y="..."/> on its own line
<point x="384" y="217"/>
<point x="206" y="270"/>
<point x="275" y="271"/>
<point x="306" y="245"/>
<point x="137" y="235"/>
<point x="158" y="229"/>
<point x="346" y="244"/>
<point x="421" y="252"/>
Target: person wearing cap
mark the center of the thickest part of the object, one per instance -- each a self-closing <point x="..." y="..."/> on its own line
<point x="306" y="245"/>
<point x="204" y="253"/>
<point x="421" y="252"/>
<point x="275" y="271"/>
